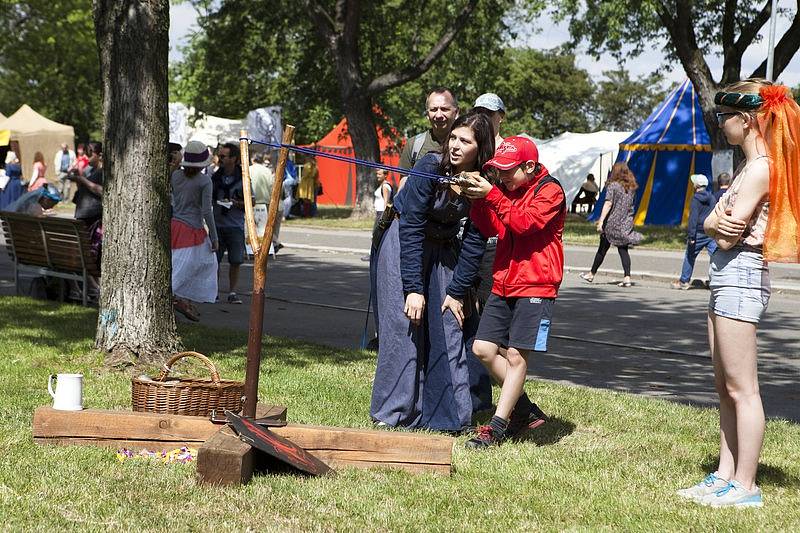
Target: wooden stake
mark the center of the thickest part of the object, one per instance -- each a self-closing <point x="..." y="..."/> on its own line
<point x="249" y="215"/>
<point x="260" y="272"/>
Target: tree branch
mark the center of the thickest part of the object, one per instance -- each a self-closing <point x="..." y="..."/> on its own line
<point x="323" y="21"/>
<point x="784" y="52"/>
<point x="728" y="25"/>
<point x="393" y="79"/>
<point x="352" y="15"/>
<point x="750" y="31"/>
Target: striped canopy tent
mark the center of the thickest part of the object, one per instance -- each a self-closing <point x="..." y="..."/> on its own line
<point x="339" y="178"/>
<point x="671" y="145"/>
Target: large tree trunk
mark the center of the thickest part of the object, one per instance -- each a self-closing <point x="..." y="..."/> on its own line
<point x="136" y="320"/>
<point x="361" y="124"/>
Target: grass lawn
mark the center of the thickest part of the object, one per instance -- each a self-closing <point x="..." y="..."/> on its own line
<point x="576" y="229"/>
<point x="606" y="461"/>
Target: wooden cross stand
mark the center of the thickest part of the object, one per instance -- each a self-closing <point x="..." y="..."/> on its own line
<point x="222" y="457"/>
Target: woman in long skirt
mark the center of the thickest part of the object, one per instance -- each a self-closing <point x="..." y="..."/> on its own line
<point x="426" y="375"/>
<point x="194" y="264"/>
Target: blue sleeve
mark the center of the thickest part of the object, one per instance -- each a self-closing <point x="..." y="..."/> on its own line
<point x="417" y="197"/>
<point x="469" y="260"/>
<point x="694" y="212"/>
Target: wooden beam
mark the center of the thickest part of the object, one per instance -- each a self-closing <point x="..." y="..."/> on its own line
<point x="338" y="447"/>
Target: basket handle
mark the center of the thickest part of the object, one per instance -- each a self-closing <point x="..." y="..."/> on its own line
<point x="178" y="356"/>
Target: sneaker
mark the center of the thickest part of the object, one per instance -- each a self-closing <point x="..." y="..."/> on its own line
<point x="484" y="439"/>
<point x="585" y="276"/>
<point x="233" y="298"/>
<point x="734" y="495"/>
<point x="523" y="422"/>
<point x="679" y="285"/>
<point x="709" y="485"/>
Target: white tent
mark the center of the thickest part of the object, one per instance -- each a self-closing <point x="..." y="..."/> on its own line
<point x="209" y="129"/>
<point x="36" y="133"/>
<point x="571" y="156"/>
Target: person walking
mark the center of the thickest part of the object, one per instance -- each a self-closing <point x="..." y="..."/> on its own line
<point x="755" y="222"/>
<point x="228" y="197"/>
<point x="194" y="264"/>
<point x="615" y="224"/>
<point x="426" y="377"/>
<point x="703" y="203"/>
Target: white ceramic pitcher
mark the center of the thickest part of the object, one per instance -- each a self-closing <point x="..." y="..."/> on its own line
<point x="69" y="391"/>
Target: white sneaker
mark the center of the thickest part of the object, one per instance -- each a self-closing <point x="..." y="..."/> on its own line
<point x="734" y="495"/>
<point x="709" y="485"/>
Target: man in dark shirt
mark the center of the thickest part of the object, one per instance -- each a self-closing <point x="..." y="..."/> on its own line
<point x="89" y="196"/>
<point x="702" y="205"/>
<point x="441" y="108"/>
<point x="228" y="199"/>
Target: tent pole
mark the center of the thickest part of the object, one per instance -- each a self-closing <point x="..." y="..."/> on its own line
<point x="773" y="19"/>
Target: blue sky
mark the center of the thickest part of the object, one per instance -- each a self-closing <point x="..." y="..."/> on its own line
<point x="182" y="22"/>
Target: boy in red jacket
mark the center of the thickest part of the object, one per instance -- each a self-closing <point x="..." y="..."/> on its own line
<point x="526" y="212"/>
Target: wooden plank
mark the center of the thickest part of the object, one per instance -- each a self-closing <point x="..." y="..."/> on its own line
<point x="336" y="463"/>
<point x="371" y="445"/>
<point x="135" y="445"/>
<point x="130" y="425"/>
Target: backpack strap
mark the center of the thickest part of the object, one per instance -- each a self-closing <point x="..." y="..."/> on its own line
<point x="550" y="179"/>
<point x="419" y="140"/>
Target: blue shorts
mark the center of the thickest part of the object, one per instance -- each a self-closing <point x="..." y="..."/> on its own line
<point x="232" y="241"/>
<point x="522" y="323"/>
<point x="740" y="286"/>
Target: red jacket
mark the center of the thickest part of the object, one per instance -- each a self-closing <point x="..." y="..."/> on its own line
<point x="530" y="253"/>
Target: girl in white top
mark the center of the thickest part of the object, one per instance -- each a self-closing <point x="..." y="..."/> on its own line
<point x="383" y="194"/>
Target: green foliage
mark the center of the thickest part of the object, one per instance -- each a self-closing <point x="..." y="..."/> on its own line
<point x="239" y="60"/>
<point x="48" y="60"/>
<point x="621" y="103"/>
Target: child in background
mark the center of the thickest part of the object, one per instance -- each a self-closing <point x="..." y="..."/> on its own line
<point x="526" y="212"/>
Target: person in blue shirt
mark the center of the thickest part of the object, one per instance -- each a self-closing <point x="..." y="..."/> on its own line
<point x="703" y="203"/>
<point x="426" y="376"/>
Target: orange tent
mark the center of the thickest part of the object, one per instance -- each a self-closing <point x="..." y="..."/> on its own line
<point x="339" y="178"/>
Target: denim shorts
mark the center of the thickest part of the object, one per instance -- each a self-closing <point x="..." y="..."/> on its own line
<point x="740" y="285"/>
<point x="232" y="241"/>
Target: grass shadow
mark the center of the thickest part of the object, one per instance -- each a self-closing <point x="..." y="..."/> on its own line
<point x="551" y="432"/>
<point x="767" y="474"/>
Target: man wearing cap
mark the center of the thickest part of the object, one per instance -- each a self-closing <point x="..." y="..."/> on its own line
<point x="441" y="109"/>
<point x="526" y="211"/>
<point x="495" y="110"/>
<point x="36" y="202"/>
<point x="703" y="203"/>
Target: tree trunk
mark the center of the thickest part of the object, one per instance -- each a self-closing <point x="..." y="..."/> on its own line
<point x="361" y="125"/>
<point x="136" y="321"/>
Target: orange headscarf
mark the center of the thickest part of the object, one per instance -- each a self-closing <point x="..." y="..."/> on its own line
<point x="779" y="120"/>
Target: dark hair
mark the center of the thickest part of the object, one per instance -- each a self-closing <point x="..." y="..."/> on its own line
<point x="441" y="90"/>
<point x="724" y="179"/>
<point x="482" y="129"/>
<point x="94" y="147"/>
<point x="590" y="177"/>
<point x="233" y="148"/>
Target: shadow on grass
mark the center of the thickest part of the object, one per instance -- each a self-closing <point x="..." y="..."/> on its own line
<point x="767" y="474"/>
<point x="551" y="432"/>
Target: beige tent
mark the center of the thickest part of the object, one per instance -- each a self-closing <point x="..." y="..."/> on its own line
<point x="2" y="117"/>
<point x="36" y="133"/>
<point x="3" y="133"/>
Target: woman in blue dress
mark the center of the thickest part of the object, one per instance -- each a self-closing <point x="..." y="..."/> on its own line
<point x="13" y="189"/>
<point x="427" y="377"/>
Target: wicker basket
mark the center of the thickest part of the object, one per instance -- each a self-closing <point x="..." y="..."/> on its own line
<point x="186" y="396"/>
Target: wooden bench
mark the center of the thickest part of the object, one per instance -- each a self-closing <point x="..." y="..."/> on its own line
<point x="49" y="246"/>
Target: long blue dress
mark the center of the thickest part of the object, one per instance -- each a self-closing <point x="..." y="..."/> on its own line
<point x="427" y="376"/>
<point x="13" y="189"/>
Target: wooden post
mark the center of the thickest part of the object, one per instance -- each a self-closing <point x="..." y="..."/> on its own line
<point x="261" y="253"/>
<point x="249" y="216"/>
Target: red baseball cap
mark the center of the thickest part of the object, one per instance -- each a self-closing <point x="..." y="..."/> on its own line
<point x="513" y="152"/>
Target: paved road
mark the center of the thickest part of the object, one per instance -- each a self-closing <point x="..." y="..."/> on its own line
<point x="647" y="339"/>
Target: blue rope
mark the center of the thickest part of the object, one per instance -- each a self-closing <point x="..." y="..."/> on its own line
<point x="353" y="160"/>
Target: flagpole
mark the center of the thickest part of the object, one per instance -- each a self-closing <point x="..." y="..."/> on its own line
<point x="773" y="19"/>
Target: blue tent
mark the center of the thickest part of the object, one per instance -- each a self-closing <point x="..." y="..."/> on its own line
<point x="671" y="145"/>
